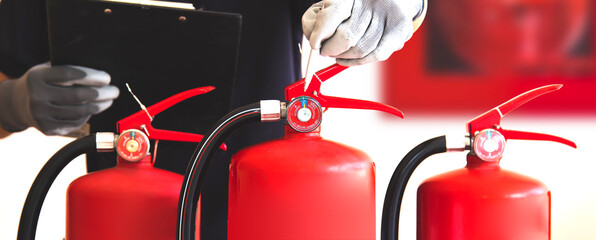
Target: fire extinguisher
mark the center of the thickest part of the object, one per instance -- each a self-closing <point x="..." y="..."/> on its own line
<point x="132" y="200"/>
<point x="298" y="187"/>
<point x="480" y="201"/>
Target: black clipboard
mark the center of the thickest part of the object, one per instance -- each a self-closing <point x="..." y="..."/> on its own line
<point x="159" y="51"/>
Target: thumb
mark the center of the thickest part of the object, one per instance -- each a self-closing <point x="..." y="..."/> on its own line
<point x="309" y="18"/>
<point x="330" y="15"/>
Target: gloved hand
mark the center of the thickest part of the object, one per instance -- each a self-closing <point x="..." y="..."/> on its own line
<point x="54" y="99"/>
<point x="360" y="31"/>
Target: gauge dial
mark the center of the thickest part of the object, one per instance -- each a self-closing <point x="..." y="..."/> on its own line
<point x="489" y="145"/>
<point x="133" y="145"/>
<point x="304" y="114"/>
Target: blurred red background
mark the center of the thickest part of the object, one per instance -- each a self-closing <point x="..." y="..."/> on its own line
<point x="471" y="55"/>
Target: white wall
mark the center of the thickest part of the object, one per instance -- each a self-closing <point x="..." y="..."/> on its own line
<point x="22" y="156"/>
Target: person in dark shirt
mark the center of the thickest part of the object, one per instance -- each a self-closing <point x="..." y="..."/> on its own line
<point x="269" y="60"/>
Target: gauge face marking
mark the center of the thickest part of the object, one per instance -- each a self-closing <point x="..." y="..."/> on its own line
<point x="489" y="145"/>
<point x="304" y="114"/>
<point x="133" y="145"/>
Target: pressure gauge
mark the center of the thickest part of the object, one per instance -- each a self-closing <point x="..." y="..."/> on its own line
<point x="489" y="145"/>
<point x="304" y="114"/>
<point x="133" y="145"/>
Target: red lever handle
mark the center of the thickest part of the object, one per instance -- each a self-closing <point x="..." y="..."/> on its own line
<point x="520" y="135"/>
<point x="492" y="118"/>
<point x="337" y="102"/>
<point x="314" y="91"/>
<point x="173" y="100"/>
<point x="523" y="98"/>
<point x="141" y="120"/>
<point x="297" y="89"/>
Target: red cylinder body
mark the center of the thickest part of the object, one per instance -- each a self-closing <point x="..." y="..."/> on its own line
<point x="129" y="201"/>
<point x="301" y="187"/>
<point x="483" y="201"/>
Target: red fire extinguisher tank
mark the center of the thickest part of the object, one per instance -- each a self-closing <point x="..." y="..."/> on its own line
<point x="123" y="203"/>
<point x="301" y="187"/>
<point x="132" y="200"/>
<point x="483" y="201"/>
<point x="480" y="201"/>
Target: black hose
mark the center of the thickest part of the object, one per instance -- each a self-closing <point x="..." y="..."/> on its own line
<point x="43" y="182"/>
<point x="197" y="168"/>
<point x="397" y="185"/>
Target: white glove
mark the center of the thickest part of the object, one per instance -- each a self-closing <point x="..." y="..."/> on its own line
<point x="360" y="31"/>
<point x="54" y="99"/>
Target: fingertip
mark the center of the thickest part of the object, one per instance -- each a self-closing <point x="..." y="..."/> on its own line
<point x="93" y="77"/>
<point x="101" y="106"/>
<point x="108" y="92"/>
<point x="315" y="45"/>
<point x="317" y="37"/>
<point x="115" y="89"/>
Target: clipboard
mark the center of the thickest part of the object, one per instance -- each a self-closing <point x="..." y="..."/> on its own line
<point x="159" y="50"/>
